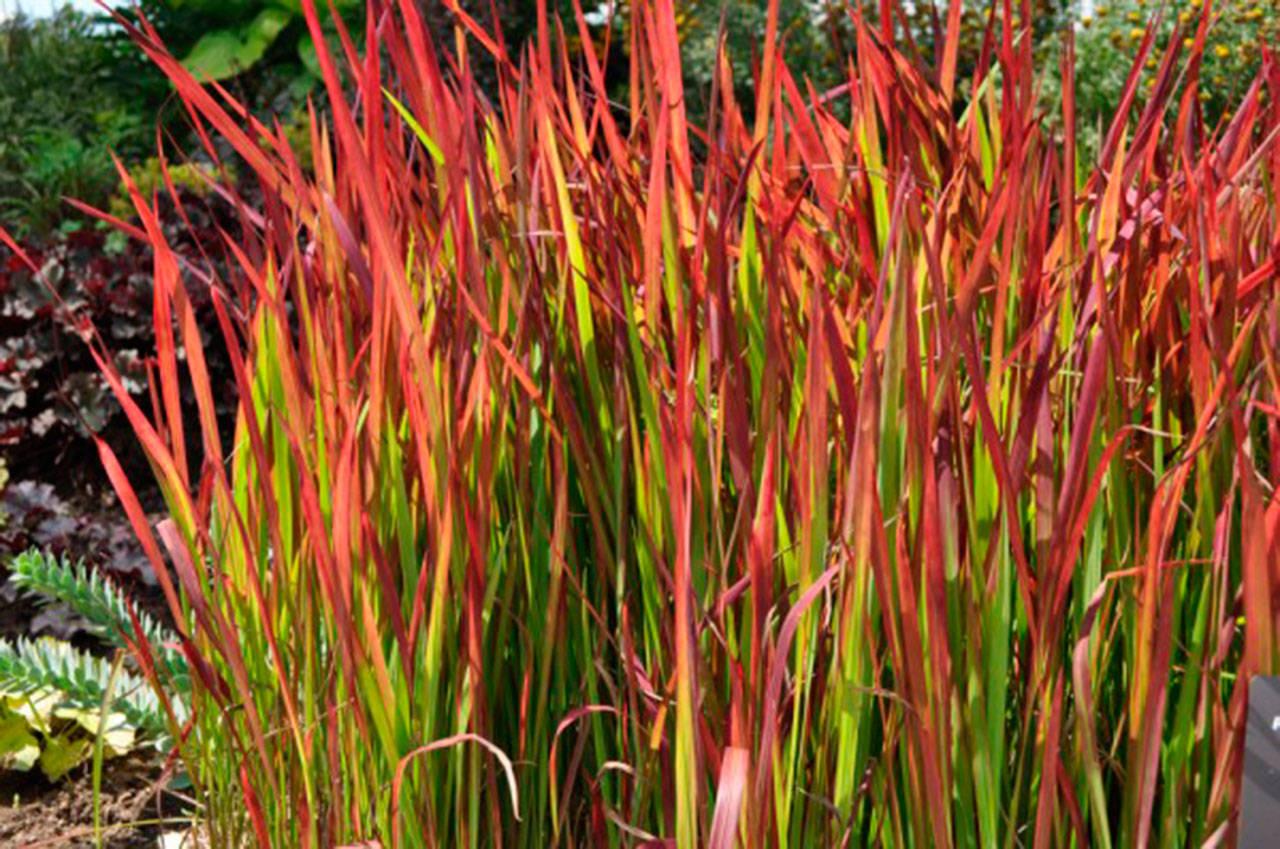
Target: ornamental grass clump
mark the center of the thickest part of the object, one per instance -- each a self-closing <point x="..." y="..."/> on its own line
<point x="602" y="479"/>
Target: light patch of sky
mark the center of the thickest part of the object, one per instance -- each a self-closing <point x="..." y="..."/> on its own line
<point x="41" y="8"/>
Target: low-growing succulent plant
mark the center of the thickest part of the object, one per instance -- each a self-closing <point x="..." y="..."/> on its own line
<point x="53" y="696"/>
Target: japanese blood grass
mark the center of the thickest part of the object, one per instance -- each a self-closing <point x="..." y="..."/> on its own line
<point x="599" y="479"/>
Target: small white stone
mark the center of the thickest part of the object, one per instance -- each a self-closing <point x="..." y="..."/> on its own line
<point x="188" y="839"/>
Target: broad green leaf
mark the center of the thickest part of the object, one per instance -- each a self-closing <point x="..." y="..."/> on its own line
<point x="118" y="737"/>
<point x="18" y="746"/>
<point x="225" y="53"/>
<point x="215" y="56"/>
<point x="62" y="754"/>
<point x="35" y="708"/>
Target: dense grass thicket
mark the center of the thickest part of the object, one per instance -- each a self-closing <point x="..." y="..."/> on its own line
<point x="600" y="479"/>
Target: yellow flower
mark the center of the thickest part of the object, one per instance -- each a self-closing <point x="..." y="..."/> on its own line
<point x="1222" y="51"/>
<point x="1184" y="17"/>
<point x="1151" y="63"/>
<point x="1086" y="21"/>
<point x="1134" y="18"/>
<point x="1136" y="34"/>
<point x="1188" y="43"/>
<point x="1116" y="38"/>
<point x="1101" y="11"/>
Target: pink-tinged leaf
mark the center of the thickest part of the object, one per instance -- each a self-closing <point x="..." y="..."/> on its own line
<point x="730" y="790"/>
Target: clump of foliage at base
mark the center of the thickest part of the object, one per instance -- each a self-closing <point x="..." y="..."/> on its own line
<point x="53" y="695"/>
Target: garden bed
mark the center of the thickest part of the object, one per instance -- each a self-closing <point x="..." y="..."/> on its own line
<point x="39" y="813"/>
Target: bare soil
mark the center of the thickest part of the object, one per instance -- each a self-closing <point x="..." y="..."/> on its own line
<point x="35" y="814"/>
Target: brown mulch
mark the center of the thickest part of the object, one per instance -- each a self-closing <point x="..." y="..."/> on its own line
<point x="35" y="814"/>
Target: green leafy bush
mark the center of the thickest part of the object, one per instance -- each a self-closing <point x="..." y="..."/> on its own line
<point x="264" y="43"/>
<point x="63" y="116"/>
<point x="1108" y="38"/>
<point x="149" y="178"/>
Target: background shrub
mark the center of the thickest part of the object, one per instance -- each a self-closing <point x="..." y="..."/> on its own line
<point x="64" y="113"/>
<point x="1108" y="38"/>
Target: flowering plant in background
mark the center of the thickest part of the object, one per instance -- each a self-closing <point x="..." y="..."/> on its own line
<point x="1109" y="36"/>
